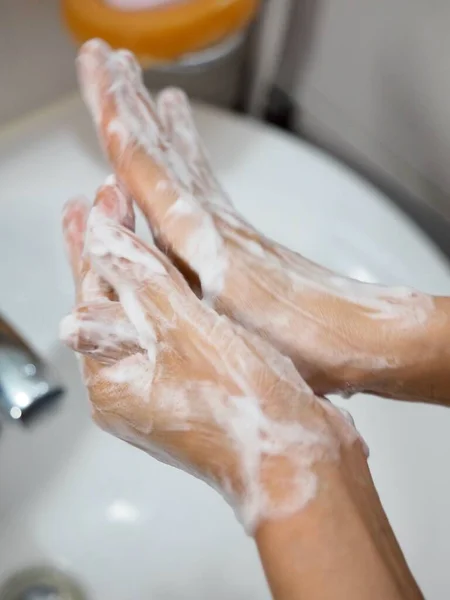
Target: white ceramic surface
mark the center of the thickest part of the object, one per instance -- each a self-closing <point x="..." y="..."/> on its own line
<point x="127" y="527"/>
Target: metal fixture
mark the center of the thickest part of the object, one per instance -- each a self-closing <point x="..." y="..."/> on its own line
<point x="27" y="385"/>
<point x="214" y="75"/>
<point x="41" y="583"/>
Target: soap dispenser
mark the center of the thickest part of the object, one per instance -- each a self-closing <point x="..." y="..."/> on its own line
<point x="199" y="45"/>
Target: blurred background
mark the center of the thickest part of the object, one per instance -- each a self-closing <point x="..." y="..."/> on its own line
<point x="367" y="82"/>
<point x="368" y="79"/>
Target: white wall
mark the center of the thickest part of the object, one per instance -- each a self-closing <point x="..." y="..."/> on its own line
<point x="36" y="56"/>
<point x="376" y="83"/>
<point x="373" y="78"/>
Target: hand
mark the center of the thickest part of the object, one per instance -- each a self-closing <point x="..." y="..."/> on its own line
<point x="341" y="334"/>
<point x="169" y="375"/>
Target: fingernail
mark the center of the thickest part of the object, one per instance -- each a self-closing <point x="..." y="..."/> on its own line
<point x="115" y="203"/>
<point x="95" y="47"/>
<point x="128" y="61"/>
<point x="174" y="96"/>
<point x="75" y="209"/>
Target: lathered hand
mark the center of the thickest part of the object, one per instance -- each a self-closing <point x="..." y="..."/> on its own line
<point x="169" y="375"/>
<point x="343" y="335"/>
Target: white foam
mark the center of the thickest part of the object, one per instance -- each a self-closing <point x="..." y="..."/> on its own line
<point x="135" y="124"/>
<point x="202" y="376"/>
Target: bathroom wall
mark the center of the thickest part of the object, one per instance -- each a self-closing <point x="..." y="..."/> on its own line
<point x="373" y="81"/>
<point x="372" y="78"/>
<point x="36" y="57"/>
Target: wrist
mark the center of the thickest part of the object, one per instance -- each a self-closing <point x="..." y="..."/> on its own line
<point x="339" y="546"/>
<point x="418" y="369"/>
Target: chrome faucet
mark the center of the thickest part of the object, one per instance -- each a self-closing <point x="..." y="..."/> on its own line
<point x="27" y="385"/>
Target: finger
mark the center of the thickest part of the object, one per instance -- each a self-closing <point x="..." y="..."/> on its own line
<point x="146" y="163"/>
<point x="176" y="116"/>
<point x="101" y="331"/>
<point x="96" y="96"/>
<point x="115" y="205"/>
<point x="150" y="289"/>
<point x="131" y="132"/>
<point x="135" y="259"/>
<point x="74" y="222"/>
<point x="88" y="285"/>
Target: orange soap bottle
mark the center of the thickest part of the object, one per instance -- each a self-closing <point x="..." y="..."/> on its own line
<point x="196" y="44"/>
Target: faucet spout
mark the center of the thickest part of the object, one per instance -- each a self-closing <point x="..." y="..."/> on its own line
<point x="27" y="384"/>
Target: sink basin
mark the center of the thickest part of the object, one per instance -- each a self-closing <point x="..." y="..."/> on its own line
<point x="122" y="525"/>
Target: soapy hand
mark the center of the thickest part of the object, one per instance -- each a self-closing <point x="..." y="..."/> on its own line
<point x="169" y="375"/>
<point x="341" y="334"/>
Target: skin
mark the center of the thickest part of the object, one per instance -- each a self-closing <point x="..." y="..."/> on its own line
<point x="340" y="547"/>
<point x="342" y="531"/>
<point x="194" y="351"/>
<point x="346" y="345"/>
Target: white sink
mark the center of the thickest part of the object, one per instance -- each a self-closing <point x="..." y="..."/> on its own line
<point x="125" y="526"/>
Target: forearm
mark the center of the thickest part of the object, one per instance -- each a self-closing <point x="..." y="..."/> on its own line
<point x="421" y="368"/>
<point x="341" y="547"/>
